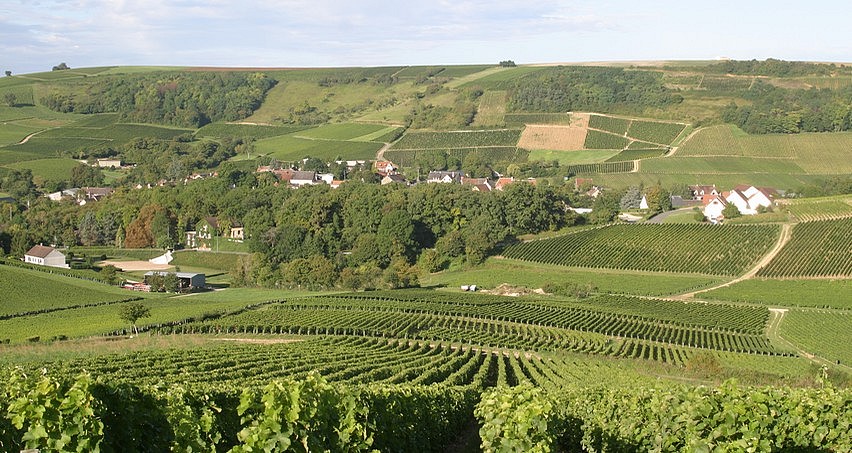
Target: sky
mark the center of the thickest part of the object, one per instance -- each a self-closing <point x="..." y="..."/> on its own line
<point x="35" y="35"/>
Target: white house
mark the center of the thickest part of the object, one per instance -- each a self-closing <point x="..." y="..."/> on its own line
<point x="748" y="199"/>
<point x="446" y="177"/>
<point x="303" y="178"/>
<point x="45" y="256"/>
<point x="713" y="209"/>
<point x="644" y="203"/>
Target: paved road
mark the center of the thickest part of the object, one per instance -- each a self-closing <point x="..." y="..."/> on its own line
<point x="663" y="215"/>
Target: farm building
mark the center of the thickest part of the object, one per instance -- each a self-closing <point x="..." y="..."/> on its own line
<point x="45" y="256"/>
<point x="393" y="179"/>
<point x="713" y="209"/>
<point x="107" y="163"/>
<point x="188" y="280"/>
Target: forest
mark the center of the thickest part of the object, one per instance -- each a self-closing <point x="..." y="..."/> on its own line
<point x="188" y="99"/>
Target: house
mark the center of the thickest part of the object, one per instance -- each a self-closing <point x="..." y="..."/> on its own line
<point x="45" y="256"/>
<point x="186" y="280"/>
<point x="580" y="183"/>
<point x="644" y="203"/>
<point x="750" y="199"/>
<point x="484" y="187"/>
<point x="67" y="194"/>
<point x="393" y="179"/>
<point x="678" y="202"/>
<point x="714" y="207"/>
<point x="191" y="241"/>
<point x="326" y="178"/>
<point x="446" y="177"/>
<point x="303" y="178"/>
<point x="109" y="163"/>
<point x="237" y="231"/>
<point x="699" y="191"/>
<point x="594" y="192"/>
<point x="386" y="167"/>
<point x="96" y="193"/>
<point x="503" y="182"/>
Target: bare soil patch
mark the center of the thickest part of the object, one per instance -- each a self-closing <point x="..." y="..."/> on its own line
<point x="557" y="137"/>
<point x="506" y="289"/>
<point x="130" y="266"/>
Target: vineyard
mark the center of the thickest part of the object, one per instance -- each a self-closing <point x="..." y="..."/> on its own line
<point x="816" y="249"/>
<point x="655" y="132"/>
<point x="809" y="210"/>
<point x="410" y="157"/>
<point x="611" y="124"/>
<point x="659" y="248"/>
<point x="605" y="167"/>
<point x="602" y="140"/>
<point x="630" y="154"/>
<point x="459" y="139"/>
<point x="344" y="131"/>
<point x="378" y="365"/>
<point x="520" y="119"/>
<point x="246" y="130"/>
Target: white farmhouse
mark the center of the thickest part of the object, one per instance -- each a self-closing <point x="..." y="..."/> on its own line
<point x="45" y="256"/>
<point x="713" y="209"/>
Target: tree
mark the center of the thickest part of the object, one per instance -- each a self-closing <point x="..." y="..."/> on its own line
<point x="659" y="199"/>
<point x="61" y="67"/>
<point x="133" y="312"/>
<point x="631" y="199"/>
<point x="10" y="99"/>
<point x="86" y="176"/>
<point x="8" y="73"/>
<point x="108" y="273"/>
<point x="731" y="211"/>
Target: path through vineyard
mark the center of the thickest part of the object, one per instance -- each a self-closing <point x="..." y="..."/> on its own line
<point x="773" y="332"/>
<point x="786" y="230"/>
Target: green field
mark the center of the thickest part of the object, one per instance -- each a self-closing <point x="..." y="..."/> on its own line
<point x="497" y="271"/>
<point x="814" y="153"/>
<point x="823" y="333"/>
<point x="609" y="124"/>
<point x="246" y="130"/>
<point x="604" y="140"/>
<point x="816" y="249"/>
<point x="458" y="139"/>
<point x="19" y="297"/>
<point x="661" y="248"/>
<point x="587" y="156"/>
<point x="491" y="110"/>
<point x="55" y="170"/>
<point x="288" y="148"/>
<point x="346" y="131"/>
<point x="788" y="293"/>
<point x="825" y="208"/>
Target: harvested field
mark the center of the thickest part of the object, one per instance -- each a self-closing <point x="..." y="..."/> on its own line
<point x="560" y="138"/>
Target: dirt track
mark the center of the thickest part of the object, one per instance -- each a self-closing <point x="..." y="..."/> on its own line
<point x="130" y="266"/>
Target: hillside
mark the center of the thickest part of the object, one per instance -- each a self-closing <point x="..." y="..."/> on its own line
<point x="548" y="294"/>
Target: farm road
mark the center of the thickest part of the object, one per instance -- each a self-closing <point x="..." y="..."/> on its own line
<point x="773" y="332"/>
<point x="786" y="230"/>
<point x="659" y="218"/>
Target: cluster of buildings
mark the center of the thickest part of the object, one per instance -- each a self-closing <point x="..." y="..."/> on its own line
<point x="81" y="196"/>
<point x="749" y="200"/>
